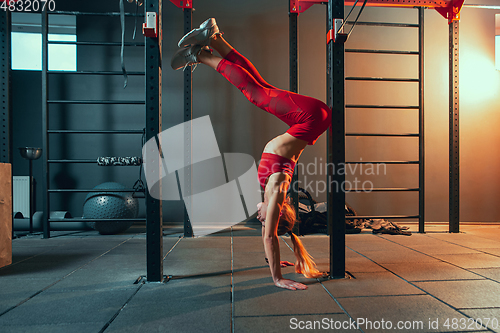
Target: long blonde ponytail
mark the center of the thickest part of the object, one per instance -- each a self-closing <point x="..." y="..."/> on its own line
<point x="304" y="264"/>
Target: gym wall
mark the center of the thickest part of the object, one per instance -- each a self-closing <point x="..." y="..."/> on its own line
<point x="259" y="30"/>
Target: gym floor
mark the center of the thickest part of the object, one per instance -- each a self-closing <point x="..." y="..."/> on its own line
<point x="84" y="282"/>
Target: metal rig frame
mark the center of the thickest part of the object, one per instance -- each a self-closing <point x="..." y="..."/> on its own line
<point x="153" y="126"/>
<point x="5" y="96"/>
<point x="449" y="9"/>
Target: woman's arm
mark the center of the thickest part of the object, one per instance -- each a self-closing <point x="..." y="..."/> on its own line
<point x="276" y="189"/>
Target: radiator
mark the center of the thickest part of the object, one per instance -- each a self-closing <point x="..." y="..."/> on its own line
<point x="21" y="195"/>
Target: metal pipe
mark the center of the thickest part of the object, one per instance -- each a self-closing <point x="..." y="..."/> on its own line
<point x="96" y="73"/>
<point x="383" y="162"/>
<point x="382" y="24"/>
<point x="6" y="155"/>
<point x="384" y="134"/>
<point x="355" y="106"/>
<point x="5" y="94"/>
<point x="454" y="205"/>
<point x="188" y="116"/>
<point x="95" y="43"/>
<point x="72" y="161"/>
<point x="153" y="115"/>
<point x="293" y="37"/>
<point x="98" y="220"/>
<point x="381" y="79"/>
<point x="383" y="189"/>
<point x="64" y="12"/>
<point x="381" y="51"/>
<point x="363" y="217"/>
<point x="45" y="124"/>
<point x="94" y="102"/>
<point x="336" y="143"/>
<point x="421" y="123"/>
<point x="71" y="190"/>
<point x="95" y="131"/>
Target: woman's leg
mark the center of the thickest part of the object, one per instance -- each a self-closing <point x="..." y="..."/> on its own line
<point x="220" y="45"/>
<point x="209" y="59"/>
<point x="275" y="101"/>
<point x="307" y="117"/>
<point x="229" y="53"/>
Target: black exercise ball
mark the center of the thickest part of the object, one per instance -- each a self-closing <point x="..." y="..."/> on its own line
<point x="110" y="205"/>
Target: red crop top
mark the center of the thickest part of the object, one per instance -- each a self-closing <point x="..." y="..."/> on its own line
<point x="272" y="163"/>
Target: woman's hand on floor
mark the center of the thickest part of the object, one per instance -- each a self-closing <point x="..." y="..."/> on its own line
<point x="290" y="284"/>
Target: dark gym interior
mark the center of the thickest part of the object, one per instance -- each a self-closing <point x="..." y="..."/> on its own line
<point x="436" y="270"/>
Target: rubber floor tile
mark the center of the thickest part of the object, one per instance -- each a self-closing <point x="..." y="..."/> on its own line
<point x="84" y="327"/>
<point x="468" y="240"/>
<point x="464" y="294"/>
<point x="68" y="307"/>
<point x="263" y="298"/>
<point x="490" y="273"/>
<point x="399" y="256"/>
<point x="371" y="284"/>
<point x="443" y="248"/>
<point x="430" y="271"/>
<point x="326" y="322"/>
<point x="487" y="318"/>
<point x="420" y="313"/>
<point x="471" y="260"/>
<point x="178" y="317"/>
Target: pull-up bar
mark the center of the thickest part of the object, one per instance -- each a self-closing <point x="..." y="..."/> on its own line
<point x="449" y="9"/>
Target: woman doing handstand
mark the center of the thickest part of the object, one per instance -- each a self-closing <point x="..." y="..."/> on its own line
<point x="307" y="117"/>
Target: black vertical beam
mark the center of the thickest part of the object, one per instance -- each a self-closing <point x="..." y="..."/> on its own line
<point x="154" y="215"/>
<point x="5" y="95"/>
<point x="6" y="115"/>
<point x="294" y="87"/>
<point x="45" y="124"/>
<point x="336" y="144"/>
<point x="454" y="224"/>
<point x="188" y="116"/>
<point x="421" y="125"/>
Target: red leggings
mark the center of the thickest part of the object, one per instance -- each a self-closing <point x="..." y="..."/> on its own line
<point x="307" y="117"/>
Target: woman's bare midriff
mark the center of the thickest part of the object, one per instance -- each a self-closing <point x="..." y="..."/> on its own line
<point x="287" y="146"/>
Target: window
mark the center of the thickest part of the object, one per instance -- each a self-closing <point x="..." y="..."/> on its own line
<point x="26" y="42"/>
<point x="497" y="41"/>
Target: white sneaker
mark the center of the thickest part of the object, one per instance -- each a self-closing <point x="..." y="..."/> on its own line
<point x="187" y="56"/>
<point x="201" y="35"/>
